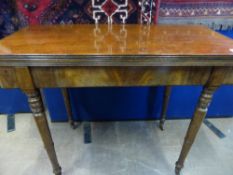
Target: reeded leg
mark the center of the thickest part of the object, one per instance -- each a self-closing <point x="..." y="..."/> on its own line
<point x="195" y="124"/>
<point x="34" y="99"/>
<point x="68" y="107"/>
<point x="165" y="106"/>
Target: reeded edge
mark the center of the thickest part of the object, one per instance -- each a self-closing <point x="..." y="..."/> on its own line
<point x="116" y="60"/>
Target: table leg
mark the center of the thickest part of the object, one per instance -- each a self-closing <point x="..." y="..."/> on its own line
<point x="68" y="107"/>
<point x="165" y="106"/>
<point x="37" y="108"/>
<point x="195" y="124"/>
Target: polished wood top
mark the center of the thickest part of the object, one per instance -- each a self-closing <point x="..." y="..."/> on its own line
<point x="117" y="40"/>
<point x="162" y="43"/>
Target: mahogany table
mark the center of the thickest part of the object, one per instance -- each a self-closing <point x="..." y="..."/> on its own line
<point x="115" y="55"/>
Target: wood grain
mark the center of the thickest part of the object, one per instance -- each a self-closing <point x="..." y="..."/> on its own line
<point x="115" y="55"/>
<point x="116" y="45"/>
<point x="215" y="80"/>
<point x="25" y="82"/>
<point x="108" y="76"/>
<point x="118" y="76"/>
<point x="8" y="77"/>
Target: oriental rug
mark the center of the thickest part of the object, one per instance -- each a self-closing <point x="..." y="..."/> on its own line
<point x="217" y="14"/>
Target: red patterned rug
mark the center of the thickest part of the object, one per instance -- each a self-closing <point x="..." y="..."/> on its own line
<point x="217" y="14"/>
<point x="86" y="11"/>
<point x="16" y="14"/>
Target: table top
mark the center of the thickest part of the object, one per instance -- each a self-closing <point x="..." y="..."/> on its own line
<point x="116" y="45"/>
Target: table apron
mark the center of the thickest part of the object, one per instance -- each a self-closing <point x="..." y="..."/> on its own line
<point x="111" y="76"/>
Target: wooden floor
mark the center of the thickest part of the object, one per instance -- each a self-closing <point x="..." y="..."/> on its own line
<point x="118" y="148"/>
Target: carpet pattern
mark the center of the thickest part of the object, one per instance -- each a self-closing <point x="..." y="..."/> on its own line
<point x="8" y="19"/>
<point x="86" y="11"/>
<point x="217" y="14"/>
<point x="14" y="14"/>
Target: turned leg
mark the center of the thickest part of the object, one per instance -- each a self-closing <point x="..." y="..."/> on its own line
<point x="68" y="107"/>
<point x="195" y="124"/>
<point x="36" y="105"/>
<point x="216" y="78"/>
<point x="165" y="106"/>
